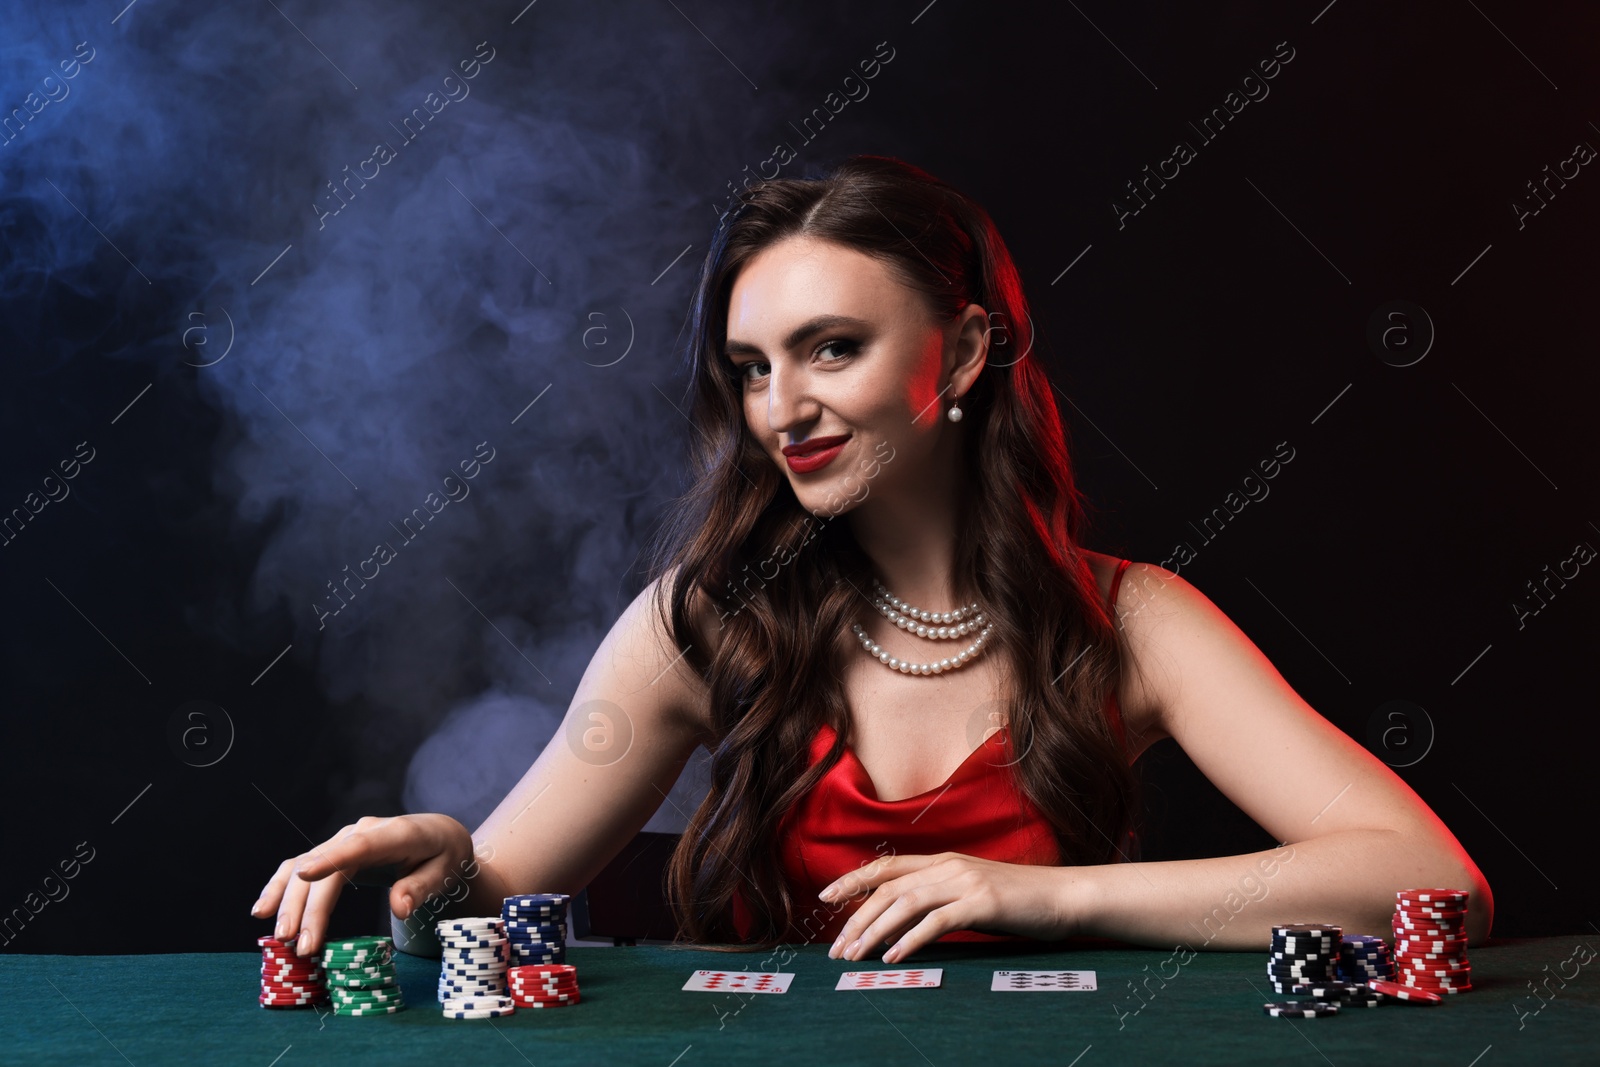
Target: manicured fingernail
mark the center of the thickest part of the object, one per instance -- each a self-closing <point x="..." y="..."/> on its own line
<point x="833" y="952"/>
<point x="255" y="907"/>
<point x="826" y="894"/>
<point x="852" y="946"/>
<point x="302" y="944"/>
<point x="283" y="928"/>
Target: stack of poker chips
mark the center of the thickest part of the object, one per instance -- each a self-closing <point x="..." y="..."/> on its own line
<point x="536" y="927"/>
<point x="361" y="976"/>
<point x="1302" y="954"/>
<point x="1430" y="940"/>
<point x="1363" y="957"/>
<point x="472" y="966"/>
<point x="288" y="981"/>
<point x="545" y="985"/>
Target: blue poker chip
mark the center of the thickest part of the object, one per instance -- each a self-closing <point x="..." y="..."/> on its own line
<point x="523" y="900"/>
<point x="522" y="927"/>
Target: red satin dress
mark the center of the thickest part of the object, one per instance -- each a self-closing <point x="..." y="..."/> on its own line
<point x="841" y="825"/>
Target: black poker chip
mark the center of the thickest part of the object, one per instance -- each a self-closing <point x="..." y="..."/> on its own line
<point x="1301" y="1009"/>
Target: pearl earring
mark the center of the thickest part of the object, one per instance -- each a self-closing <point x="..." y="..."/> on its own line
<point x="954" y="413"/>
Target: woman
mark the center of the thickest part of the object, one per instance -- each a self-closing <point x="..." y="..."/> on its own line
<point x="875" y="577"/>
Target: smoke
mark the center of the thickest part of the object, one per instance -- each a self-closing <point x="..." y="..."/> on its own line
<point x="428" y="266"/>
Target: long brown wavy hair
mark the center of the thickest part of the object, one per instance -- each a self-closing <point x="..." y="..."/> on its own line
<point x="774" y="676"/>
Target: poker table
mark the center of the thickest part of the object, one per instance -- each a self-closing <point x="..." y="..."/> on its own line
<point x="1150" y="1007"/>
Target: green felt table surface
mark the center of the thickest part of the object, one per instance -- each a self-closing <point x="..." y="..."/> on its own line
<point x="1151" y="1007"/>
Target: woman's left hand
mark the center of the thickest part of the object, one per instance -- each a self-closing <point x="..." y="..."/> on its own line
<point x="917" y="899"/>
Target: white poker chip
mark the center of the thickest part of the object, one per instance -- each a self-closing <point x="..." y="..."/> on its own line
<point x="479" y="1004"/>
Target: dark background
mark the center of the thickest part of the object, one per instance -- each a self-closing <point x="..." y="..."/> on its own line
<point x="583" y="176"/>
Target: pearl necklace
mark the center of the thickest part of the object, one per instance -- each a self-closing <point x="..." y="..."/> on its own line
<point x="945" y="626"/>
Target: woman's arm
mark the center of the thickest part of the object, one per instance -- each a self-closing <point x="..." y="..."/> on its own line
<point x="1354" y="831"/>
<point x="634" y="721"/>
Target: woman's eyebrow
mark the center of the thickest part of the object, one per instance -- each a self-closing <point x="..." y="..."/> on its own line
<point x="815" y="325"/>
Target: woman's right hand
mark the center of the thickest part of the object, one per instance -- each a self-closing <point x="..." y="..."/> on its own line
<point x="424" y="849"/>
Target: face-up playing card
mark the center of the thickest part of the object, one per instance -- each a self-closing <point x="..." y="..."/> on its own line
<point x="1023" y="981"/>
<point x="739" y="982"/>
<point x="924" y="979"/>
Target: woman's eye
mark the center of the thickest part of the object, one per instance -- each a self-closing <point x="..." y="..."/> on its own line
<point x="840" y="347"/>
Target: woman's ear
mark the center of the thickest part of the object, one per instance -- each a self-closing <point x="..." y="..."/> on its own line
<point x="971" y="349"/>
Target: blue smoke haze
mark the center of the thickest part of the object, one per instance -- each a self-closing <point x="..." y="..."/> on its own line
<point x="403" y="224"/>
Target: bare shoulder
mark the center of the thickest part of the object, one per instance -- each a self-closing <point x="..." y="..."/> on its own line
<point x="1147" y="595"/>
<point x="1167" y="622"/>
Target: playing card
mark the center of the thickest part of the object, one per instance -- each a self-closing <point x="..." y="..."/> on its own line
<point x="925" y="979"/>
<point x="1023" y="981"/>
<point x="739" y="982"/>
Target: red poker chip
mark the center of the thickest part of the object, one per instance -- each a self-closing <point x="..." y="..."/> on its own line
<point x="1404" y="992"/>
<point x="543" y="988"/>
<point x="1457" y="974"/>
<point x="545" y="969"/>
<point x="1440" y="896"/>
<point x="1454" y="971"/>
<point x="532" y="1004"/>
<point x="1432" y="963"/>
<point x="1429" y="913"/>
<point x="1429" y="954"/>
<point x="1432" y="944"/>
<point x="1405" y="934"/>
<point x="564" y="992"/>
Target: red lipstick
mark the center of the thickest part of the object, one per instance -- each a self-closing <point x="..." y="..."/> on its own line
<point x="814" y="454"/>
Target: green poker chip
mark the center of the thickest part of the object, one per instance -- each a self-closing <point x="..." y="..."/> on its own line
<point x="359" y="967"/>
<point x="365" y="983"/>
<point x="381" y="1009"/>
<point x="338" y="962"/>
<point x="370" y="996"/>
<point x="357" y="944"/>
